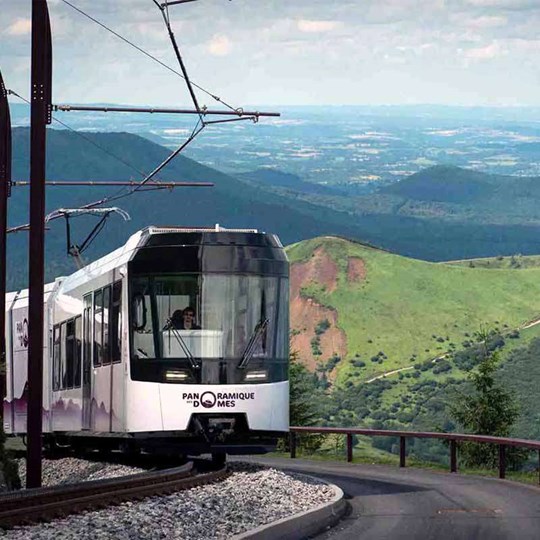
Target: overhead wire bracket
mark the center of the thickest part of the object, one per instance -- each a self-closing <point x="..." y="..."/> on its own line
<point x="73" y="249"/>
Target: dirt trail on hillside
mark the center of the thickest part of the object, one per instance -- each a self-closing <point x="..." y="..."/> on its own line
<point x="529" y="324"/>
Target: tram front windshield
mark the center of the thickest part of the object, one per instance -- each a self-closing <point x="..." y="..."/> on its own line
<point x="209" y="328"/>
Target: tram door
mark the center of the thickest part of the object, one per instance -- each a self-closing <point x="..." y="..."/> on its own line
<point x="87" y="363"/>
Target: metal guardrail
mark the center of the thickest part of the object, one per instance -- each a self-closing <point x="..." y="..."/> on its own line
<point x="453" y="438"/>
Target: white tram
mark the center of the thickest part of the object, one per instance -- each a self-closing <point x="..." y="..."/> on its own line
<point x="175" y="342"/>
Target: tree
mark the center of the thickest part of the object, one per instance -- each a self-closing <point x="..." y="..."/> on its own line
<point x="489" y="409"/>
<point x="306" y="401"/>
<point x="9" y="474"/>
<point x="304" y="409"/>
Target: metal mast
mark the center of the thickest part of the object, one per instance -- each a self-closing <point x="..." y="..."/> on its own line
<point x="5" y="186"/>
<point x="40" y="117"/>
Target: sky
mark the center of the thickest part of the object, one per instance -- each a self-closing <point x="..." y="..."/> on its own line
<point x="288" y="52"/>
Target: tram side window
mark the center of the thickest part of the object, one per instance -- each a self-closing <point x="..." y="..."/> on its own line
<point x="67" y="355"/>
<point x="77" y="353"/>
<point x="116" y="323"/>
<point x="98" y="322"/>
<point x="69" y="350"/>
<point x="57" y="337"/>
<point x="63" y="372"/>
<point x="87" y="337"/>
<point x="73" y="353"/>
<point x="106" y="317"/>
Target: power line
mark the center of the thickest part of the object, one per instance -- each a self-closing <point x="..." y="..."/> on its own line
<point x="87" y="139"/>
<point x="124" y="191"/>
<point x="199" y="127"/>
<point x="146" y="53"/>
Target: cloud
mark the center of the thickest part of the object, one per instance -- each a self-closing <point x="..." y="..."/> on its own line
<point x="511" y="5"/>
<point x="219" y="45"/>
<point x="311" y="26"/>
<point x="487" y="21"/>
<point x="21" y="27"/>
<point x="488" y="52"/>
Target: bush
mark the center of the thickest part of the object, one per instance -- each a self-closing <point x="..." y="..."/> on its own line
<point x="405" y="417"/>
<point x="8" y="468"/>
<point x="316" y="346"/>
<point x="332" y="362"/>
<point x="322" y="327"/>
<point x="442" y="367"/>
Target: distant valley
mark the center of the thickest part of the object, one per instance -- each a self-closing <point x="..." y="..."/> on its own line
<point x="275" y="201"/>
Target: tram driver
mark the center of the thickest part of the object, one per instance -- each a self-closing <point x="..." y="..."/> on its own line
<point x="184" y="320"/>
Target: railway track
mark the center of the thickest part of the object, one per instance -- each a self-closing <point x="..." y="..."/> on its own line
<point x="45" y="504"/>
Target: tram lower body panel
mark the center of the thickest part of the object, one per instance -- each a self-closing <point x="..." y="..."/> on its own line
<point x="235" y="418"/>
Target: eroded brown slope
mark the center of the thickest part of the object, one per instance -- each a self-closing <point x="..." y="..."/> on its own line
<point x="306" y="314"/>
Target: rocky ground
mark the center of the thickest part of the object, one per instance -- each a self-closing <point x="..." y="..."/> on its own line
<point x="249" y="497"/>
<point x="72" y="470"/>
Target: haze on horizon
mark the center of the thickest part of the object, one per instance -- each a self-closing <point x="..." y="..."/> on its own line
<point x="460" y="52"/>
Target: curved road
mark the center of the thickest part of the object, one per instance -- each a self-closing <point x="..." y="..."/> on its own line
<point x="391" y="503"/>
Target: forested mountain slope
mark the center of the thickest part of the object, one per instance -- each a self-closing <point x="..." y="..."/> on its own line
<point x="232" y="203"/>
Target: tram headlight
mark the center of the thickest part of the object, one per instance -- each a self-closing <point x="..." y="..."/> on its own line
<point x="176" y="375"/>
<point x="257" y="375"/>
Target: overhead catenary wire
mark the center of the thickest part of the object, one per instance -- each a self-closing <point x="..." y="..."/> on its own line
<point x="120" y="193"/>
<point x="199" y="127"/>
<point x="146" y="53"/>
<point x="82" y="136"/>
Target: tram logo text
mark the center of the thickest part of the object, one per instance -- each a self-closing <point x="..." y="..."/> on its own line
<point x="21" y="332"/>
<point x="207" y="400"/>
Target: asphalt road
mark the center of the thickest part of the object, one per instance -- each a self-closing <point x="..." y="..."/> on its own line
<point x="391" y="503"/>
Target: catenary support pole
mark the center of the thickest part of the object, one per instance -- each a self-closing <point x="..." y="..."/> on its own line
<point x="40" y="116"/>
<point x="5" y="184"/>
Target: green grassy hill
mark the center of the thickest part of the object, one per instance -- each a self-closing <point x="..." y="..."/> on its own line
<point x="393" y="339"/>
<point x="403" y="311"/>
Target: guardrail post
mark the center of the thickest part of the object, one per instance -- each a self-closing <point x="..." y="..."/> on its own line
<point x="502" y="461"/>
<point x="402" y="448"/>
<point x="453" y="455"/>
<point x="349" y="447"/>
<point x="292" y="443"/>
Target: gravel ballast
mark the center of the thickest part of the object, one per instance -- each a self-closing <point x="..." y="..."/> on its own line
<point x="251" y="496"/>
<point x="72" y="471"/>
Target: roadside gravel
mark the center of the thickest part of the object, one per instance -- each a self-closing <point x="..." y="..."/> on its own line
<point x="251" y="496"/>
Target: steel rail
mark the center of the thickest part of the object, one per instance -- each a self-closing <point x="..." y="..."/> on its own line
<point x="44" y="504"/>
<point x="452" y="438"/>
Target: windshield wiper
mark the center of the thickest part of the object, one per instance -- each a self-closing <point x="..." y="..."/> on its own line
<point x="182" y="344"/>
<point x="252" y="344"/>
